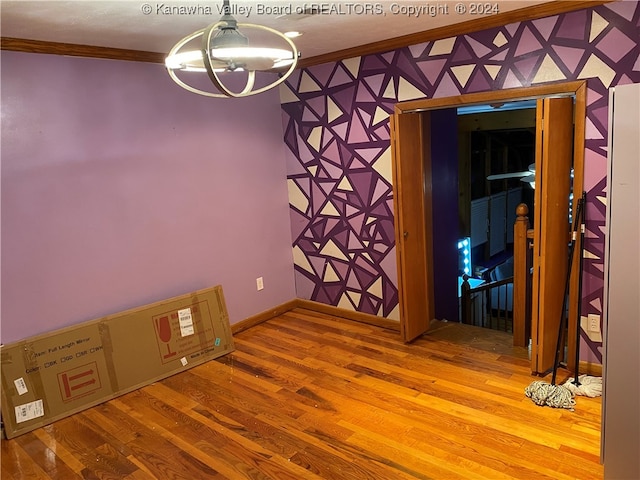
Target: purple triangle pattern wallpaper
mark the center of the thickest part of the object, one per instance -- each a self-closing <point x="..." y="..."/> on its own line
<point x="336" y="127"/>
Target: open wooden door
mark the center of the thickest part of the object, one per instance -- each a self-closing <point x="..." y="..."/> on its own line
<point x="412" y="205"/>
<point x="554" y="160"/>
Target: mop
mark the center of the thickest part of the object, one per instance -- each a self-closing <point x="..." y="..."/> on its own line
<point x="543" y="393"/>
<point x="584" y="385"/>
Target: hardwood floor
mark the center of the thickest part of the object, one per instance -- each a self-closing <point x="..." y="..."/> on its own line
<point x="308" y="396"/>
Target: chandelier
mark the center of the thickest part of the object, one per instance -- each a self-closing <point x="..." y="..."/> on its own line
<point x="224" y="49"/>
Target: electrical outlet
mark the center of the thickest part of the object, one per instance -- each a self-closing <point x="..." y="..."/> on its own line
<point x="593" y="323"/>
<point x="260" y="283"/>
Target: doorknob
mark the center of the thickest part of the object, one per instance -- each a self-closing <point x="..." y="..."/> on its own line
<point x="405" y="235"/>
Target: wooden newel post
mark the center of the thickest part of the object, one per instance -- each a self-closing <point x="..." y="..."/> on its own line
<point x="520" y="277"/>
<point x="465" y="300"/>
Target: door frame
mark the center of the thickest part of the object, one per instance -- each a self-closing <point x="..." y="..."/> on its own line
<point x="577" y="89"/>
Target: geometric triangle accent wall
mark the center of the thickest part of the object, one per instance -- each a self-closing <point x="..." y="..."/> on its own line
<point x="338" y="148"/>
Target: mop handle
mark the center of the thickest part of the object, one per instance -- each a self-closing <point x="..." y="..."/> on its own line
<point x="561" y="325"/>
<point x="582" y="220"/>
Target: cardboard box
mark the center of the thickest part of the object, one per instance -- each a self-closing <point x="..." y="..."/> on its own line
<point x="54" y="375"/>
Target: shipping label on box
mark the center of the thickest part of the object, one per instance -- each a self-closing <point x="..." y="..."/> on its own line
<point x="51" y="376"/>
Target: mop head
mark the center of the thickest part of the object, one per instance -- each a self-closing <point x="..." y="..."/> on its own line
<point x="587" y="386"/>
<point x="556" y="396"/>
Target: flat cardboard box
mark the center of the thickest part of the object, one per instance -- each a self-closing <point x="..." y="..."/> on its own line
<point x="54" y="375"/>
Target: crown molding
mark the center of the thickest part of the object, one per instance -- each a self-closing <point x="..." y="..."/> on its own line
<point x="76" y="50"/>
<point x="470" y="26"/>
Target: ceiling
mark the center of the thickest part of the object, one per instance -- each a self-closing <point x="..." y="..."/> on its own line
<point x="327" y="26"/>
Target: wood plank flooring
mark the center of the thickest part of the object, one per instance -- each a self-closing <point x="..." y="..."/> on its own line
<point x="308" y="396"/>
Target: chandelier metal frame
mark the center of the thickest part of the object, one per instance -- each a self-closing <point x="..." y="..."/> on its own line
<point x="208" y="59"/>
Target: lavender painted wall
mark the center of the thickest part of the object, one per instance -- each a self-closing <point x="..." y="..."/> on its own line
<point x="119" y="188"/>
<point x="336" y="125"/>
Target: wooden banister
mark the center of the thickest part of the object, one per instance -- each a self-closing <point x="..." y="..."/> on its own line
<point x="521" y="278"/>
